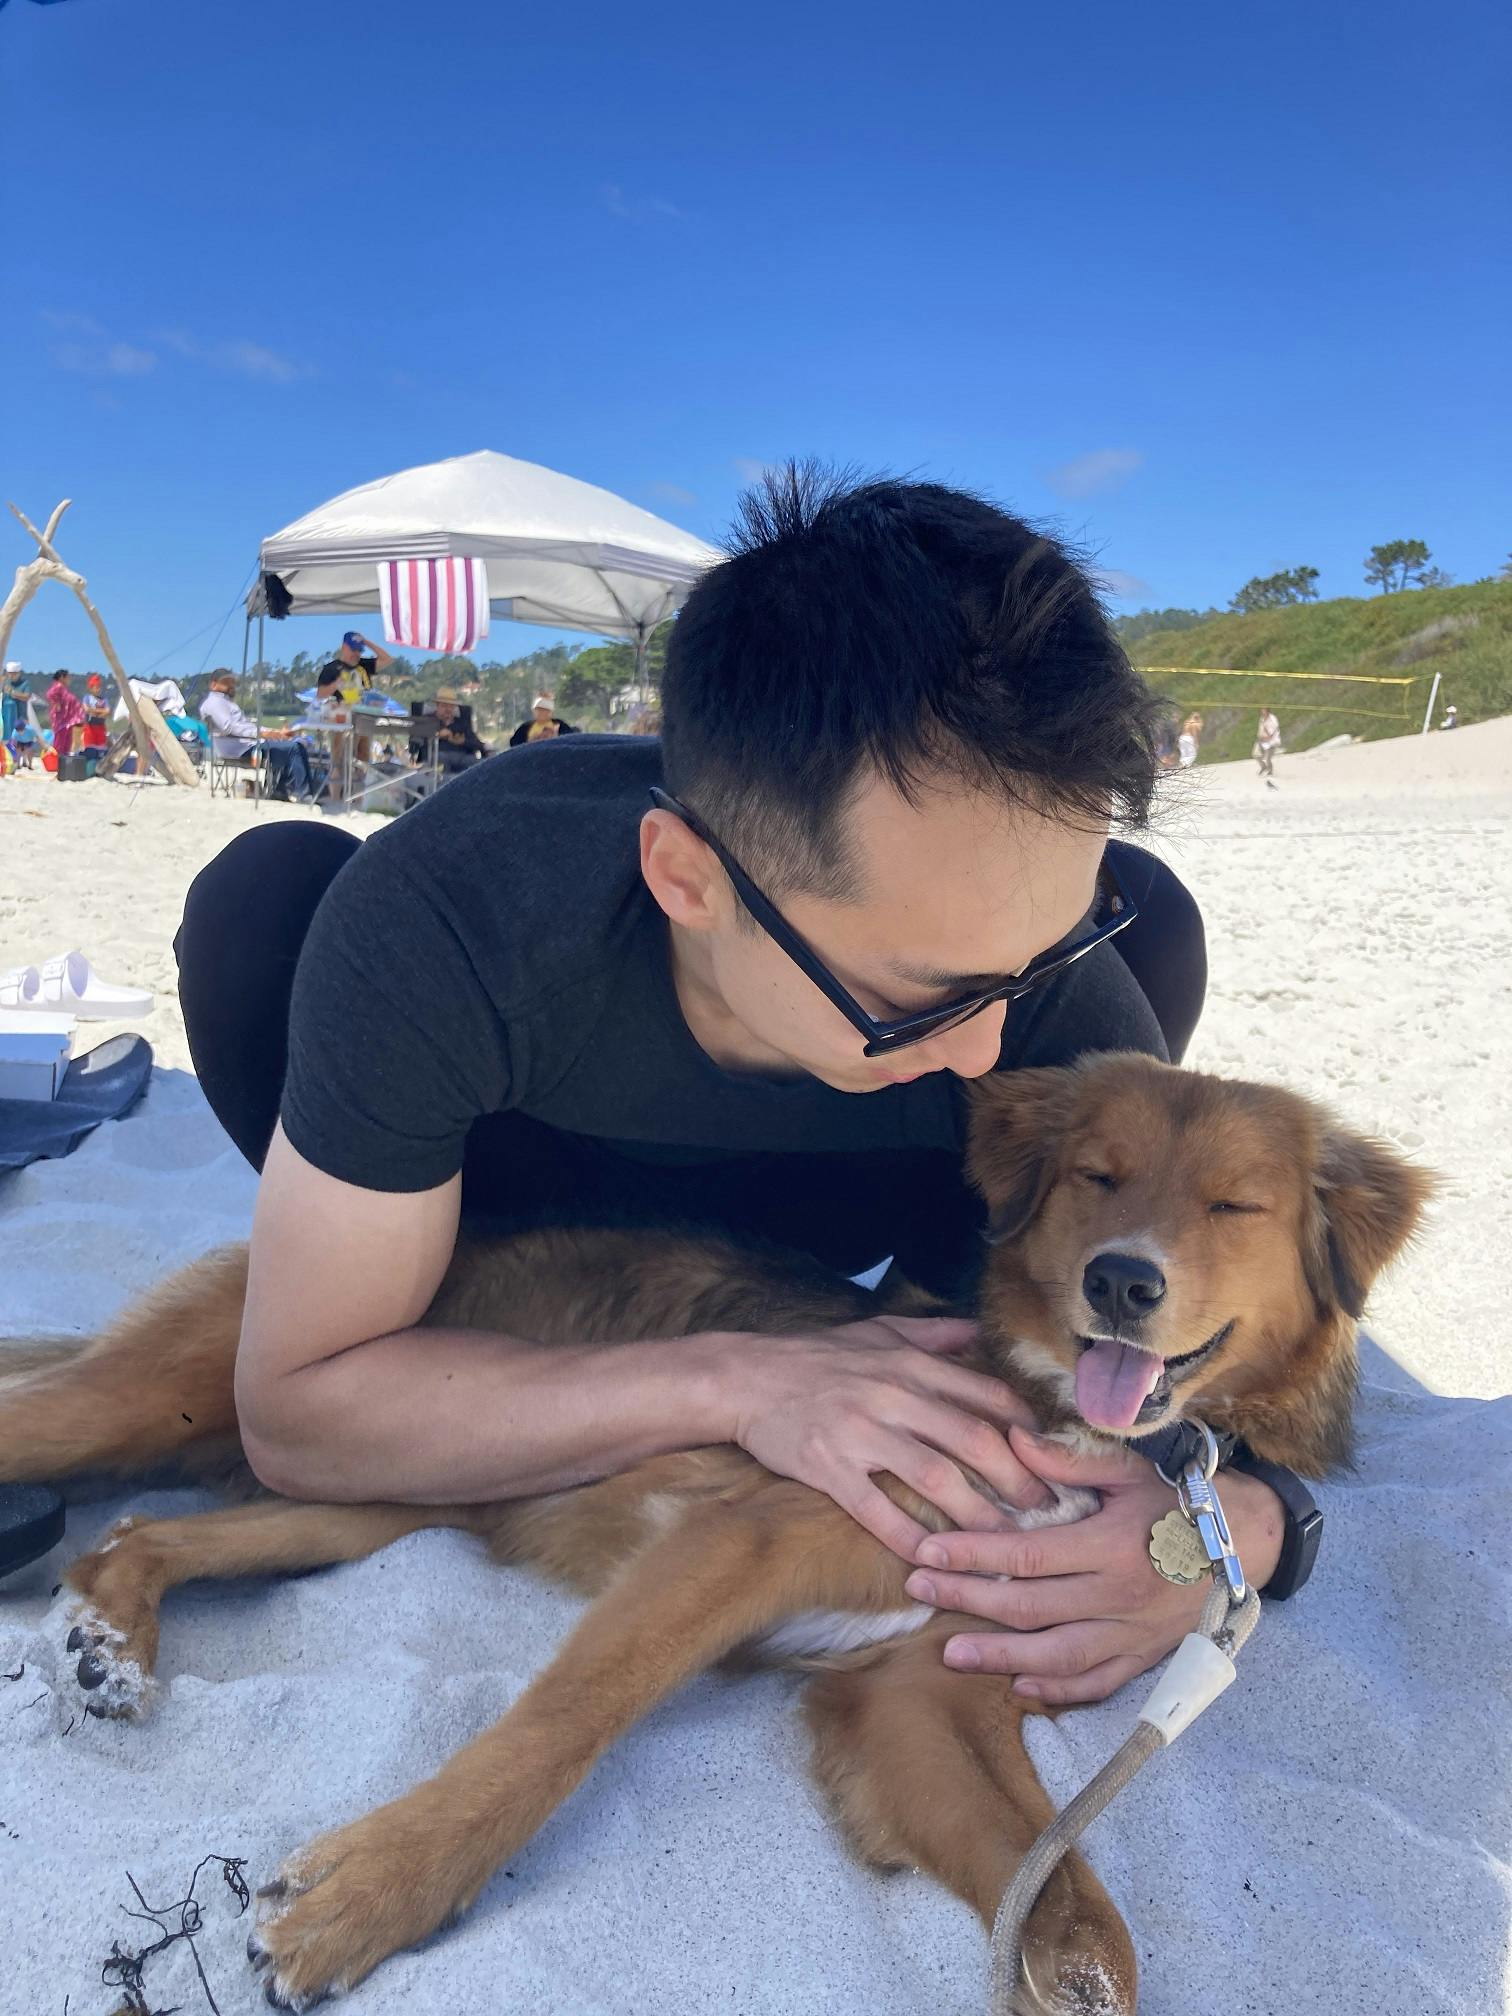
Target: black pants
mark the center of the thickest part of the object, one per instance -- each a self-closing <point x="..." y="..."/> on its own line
<point x="245" y="921"/>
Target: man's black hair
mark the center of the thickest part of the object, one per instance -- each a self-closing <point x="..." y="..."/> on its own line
<point x="905" y="629"/>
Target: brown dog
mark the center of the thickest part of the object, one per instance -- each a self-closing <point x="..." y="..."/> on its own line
<point x="1161" y="1244"/>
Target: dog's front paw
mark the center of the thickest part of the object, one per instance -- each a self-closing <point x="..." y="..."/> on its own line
<point x="111" y="1667"/>
<point x="348" y="1901"/>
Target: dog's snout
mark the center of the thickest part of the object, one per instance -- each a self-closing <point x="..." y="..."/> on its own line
<point x="1122" y="1288"/>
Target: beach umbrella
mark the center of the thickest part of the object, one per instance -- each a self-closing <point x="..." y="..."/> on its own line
<point x="558" y="551"/>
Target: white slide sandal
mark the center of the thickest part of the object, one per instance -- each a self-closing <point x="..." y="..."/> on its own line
<point x="69" y="985"/>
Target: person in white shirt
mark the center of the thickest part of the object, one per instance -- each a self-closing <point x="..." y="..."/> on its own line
<point x="1267" y="746"/>
<point x="235" y="734"/>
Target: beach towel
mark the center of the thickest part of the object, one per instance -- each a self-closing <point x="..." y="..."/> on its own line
<point x="434" y="605"/>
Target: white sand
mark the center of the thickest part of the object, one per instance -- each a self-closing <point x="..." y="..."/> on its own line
<point x="1331" y="1840"/>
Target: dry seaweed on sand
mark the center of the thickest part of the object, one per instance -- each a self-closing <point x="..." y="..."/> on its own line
<point x="125" y="1970"/>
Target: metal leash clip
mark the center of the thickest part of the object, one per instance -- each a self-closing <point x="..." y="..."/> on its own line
<point x="1200" y="1504"/>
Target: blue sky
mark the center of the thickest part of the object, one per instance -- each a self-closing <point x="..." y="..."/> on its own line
<point x="1216" y="290"/>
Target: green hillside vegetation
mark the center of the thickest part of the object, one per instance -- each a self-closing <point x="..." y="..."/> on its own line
<point x="1464" y="633"/>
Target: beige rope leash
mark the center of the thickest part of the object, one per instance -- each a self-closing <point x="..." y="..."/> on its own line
<point x="1201" y="1667"/>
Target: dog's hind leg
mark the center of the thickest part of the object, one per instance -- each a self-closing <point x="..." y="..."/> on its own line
<point x="722" y="1575"/>
<point x="111" y="1597"/>
<point x="152" y="1384"/>
<point x="927" y="1768"/>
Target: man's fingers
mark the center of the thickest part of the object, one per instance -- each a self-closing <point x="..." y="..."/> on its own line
<point x="1023" y="1606"/>
<point x="934" y="1333"/>
<point x="983" y="1394"/>
<point x="978" y="1446"/>
<point x="1112" y="1465"/>
<point x="931" y="1473"/>
<point x="1053" y="1550"/>
<point x="1064" y="1652"/>
<point x="886" y="1522"/>
<point x="1095" y="1685"/>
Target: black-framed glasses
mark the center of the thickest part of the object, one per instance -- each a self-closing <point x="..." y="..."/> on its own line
<point x="1113" y="911"/>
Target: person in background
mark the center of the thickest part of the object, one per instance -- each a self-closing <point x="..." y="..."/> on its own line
<point x="1189" y="741"/>
<point x="544" y="722"/>
<point x="342" y="682"/>
<point x="67" y="713"/>
<point x="1268" y="746"/>
<point x="12" y="699"/>
<point x="456" y="743"/>
<point x="235" y="735"/>
<point x="348" y="675"/>
<point x="1450" y="720"/>
<point x="96" y="733"/>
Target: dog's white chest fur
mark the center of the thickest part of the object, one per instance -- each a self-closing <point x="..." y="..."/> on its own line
<point x="818" y="1634"/>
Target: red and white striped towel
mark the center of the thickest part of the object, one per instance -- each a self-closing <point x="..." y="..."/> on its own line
<point x="434" y="605"/>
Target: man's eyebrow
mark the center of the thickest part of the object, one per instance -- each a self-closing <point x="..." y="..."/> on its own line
<point x="933" y="976"/>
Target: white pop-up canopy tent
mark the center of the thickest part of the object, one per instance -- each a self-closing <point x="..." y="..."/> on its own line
<point x="558" y="551"/>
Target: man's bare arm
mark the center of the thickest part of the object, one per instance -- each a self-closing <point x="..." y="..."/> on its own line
<point x="341" y="1397"/>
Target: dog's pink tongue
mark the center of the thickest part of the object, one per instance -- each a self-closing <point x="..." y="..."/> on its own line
<point x="1112" y="1382"/>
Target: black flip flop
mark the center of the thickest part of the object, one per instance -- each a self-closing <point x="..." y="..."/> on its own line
<point x="31" y="1522"/>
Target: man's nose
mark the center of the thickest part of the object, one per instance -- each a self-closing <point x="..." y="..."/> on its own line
<point x="972" y="1047"/>
<point x="1122" y="1288"/>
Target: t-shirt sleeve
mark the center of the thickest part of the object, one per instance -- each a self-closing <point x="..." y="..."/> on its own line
<point x="395" y="1045"/>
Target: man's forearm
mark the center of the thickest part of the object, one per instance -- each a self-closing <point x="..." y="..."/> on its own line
<point x="431" y="1417"/>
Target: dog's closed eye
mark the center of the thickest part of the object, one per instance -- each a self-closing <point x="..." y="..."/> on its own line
<point x="1100" y="1177"/>
<point x="1232" y="1205"/>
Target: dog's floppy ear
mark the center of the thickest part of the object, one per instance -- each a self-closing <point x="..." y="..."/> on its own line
<point x="1018" y="1120"/>
<point x="1370" y="1203"/>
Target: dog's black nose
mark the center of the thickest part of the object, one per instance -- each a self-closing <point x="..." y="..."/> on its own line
<point x="1122" y="1288"/>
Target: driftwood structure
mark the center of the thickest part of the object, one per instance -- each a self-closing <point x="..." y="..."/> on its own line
<point x="49" y="567"/>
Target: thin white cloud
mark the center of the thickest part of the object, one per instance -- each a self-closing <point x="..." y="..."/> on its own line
<point x="255" y="360"/>
<point x="749" y="470"/>
<point x="1094" y="474"/>
<point x="1122" y="587"/>
<point x="670" y="493"/>
<point x="68" y="323"/>
<point x="104" y="360"/>
<point x="636" y="209"/>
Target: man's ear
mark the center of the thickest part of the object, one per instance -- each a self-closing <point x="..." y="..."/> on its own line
<point x="1370" y="1202"/>
<point x="1018" y="1120"/>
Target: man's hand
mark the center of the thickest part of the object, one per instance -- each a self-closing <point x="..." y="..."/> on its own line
<point x="1084" y="1610"/>
<point x="833" y="1408"/>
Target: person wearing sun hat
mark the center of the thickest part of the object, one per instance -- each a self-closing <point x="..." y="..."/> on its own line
<point x="456" y="743"/>
<point x="544" y="723"/>
<point x="12" y="698"/>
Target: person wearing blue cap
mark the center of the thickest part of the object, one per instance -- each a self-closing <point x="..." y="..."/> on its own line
<point x="349" y="674"/>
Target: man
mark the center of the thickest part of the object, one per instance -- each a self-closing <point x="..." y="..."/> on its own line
<point x="457" y="745"/>
<point x="897" y="722"/>
<point x="543" y="725"/>
<point x="234" y="735"/>
<point x="352" y="671"/>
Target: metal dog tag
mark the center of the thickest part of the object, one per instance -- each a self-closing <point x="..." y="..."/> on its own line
<point x="1177" y="1551"/>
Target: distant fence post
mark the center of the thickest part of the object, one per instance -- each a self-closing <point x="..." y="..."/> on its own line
<point x="1427" y="718"/>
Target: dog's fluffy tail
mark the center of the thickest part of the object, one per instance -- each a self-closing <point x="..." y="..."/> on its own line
<point x="146" y="1391"/>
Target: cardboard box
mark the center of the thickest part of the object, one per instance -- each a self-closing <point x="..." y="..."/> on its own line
<point x="32" y="1062"/>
